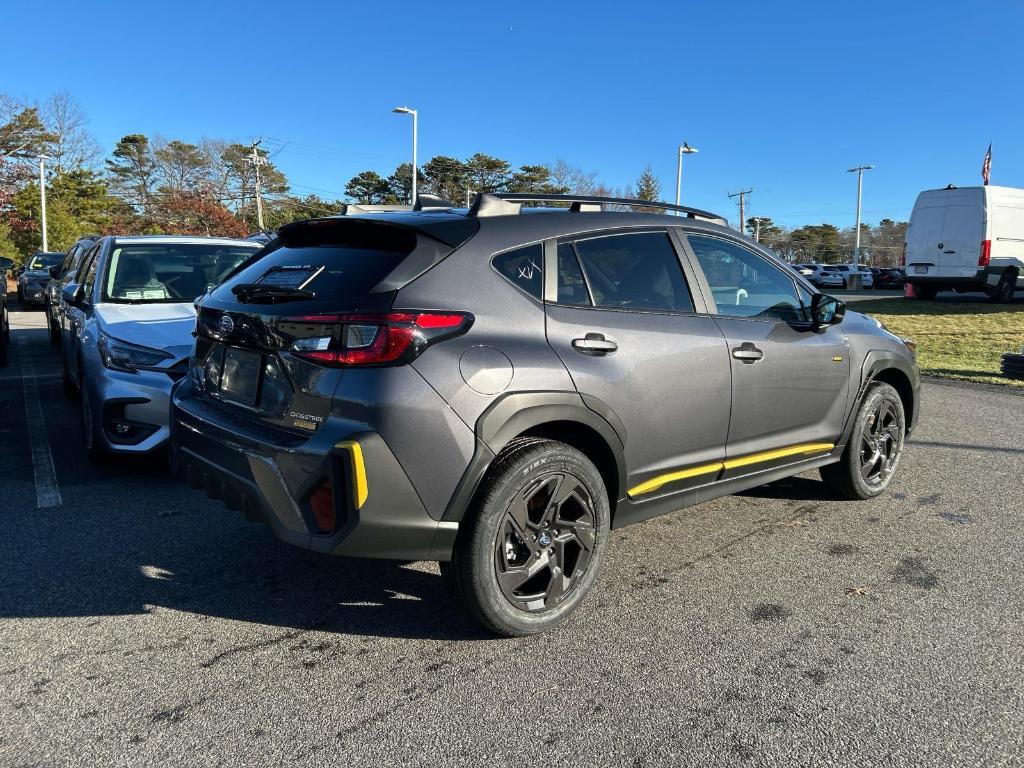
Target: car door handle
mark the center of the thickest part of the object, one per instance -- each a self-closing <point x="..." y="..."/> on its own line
<point x="594" y="344"/>
<point x="747" y="352"/>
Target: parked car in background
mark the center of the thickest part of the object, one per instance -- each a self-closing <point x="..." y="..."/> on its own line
<point x="822" y="276"/>
<point x="5" y="323"/>
<point x="61" y="275"/>
<point x="966" y="239"/>
<point x="866" y="274"/>
<point x="494" y="388"/>
<point x="127" y="331"/>
<point x="33" y="281"/>
<point x="846" y="271"/>
<point x="889" y="279"/>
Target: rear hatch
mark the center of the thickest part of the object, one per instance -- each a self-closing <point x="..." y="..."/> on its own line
<point x="272" y="342"/>
<point x="944" y="238"/>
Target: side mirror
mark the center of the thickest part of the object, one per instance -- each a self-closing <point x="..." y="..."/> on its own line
<point x="55" y="271"/>
<point x="5" y="263"/>
<point x="826" y="310"/>
<point x="72" y="294"/>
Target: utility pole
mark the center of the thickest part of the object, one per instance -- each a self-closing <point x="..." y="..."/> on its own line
<point x="415" y="139"/>
<point x="859" y="170"/>
<point x="757" y="230"/>
<point x="742" y="195"/>
<point x="256" y="162"/>
<point x="684" y="149"/>
<point x="42" y="197"/>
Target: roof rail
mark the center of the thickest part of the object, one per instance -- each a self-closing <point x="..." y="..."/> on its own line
<point x="594" y="203"/>
<point x="425" y="202"/>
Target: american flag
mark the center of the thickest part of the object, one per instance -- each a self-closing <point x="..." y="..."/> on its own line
<point x="986" y="165"/>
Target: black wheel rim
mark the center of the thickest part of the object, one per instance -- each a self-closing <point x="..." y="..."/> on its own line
<point x="880" y="443"/>
<point x="545" y="542"/>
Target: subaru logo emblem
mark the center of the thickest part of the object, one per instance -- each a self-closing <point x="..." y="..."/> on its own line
<point x="226" y="325"/>
<point x="544" y="540"/>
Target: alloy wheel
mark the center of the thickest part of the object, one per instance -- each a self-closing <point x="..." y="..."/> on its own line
<point x="880" y="443"/>
<point x="545" y="542"/>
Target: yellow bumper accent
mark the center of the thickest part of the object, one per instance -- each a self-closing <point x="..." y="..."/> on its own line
<point x="360" y="489"/>
<point x="705" y="469"/>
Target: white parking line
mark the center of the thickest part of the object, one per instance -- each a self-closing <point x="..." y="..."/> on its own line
<point x="47" y="490"/>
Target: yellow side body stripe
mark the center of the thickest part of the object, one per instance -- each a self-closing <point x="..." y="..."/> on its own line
<point x="656" y="482"/>
<point x="779" y="453"/>
<point x="361" y="489"/>
<point x="755" y="458"/>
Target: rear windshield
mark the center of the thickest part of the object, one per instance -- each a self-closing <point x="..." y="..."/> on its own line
<point x="175" y="272"/>
<point x="46" y="260"/>
<point x="337" y="261"/>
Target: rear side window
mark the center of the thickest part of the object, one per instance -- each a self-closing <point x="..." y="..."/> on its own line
<point x="522" y="268"/>
<point x="336" y="260"/>
<point x="638" y="271"/>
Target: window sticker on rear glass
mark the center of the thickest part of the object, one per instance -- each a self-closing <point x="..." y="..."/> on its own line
<point x="290" y="276"/>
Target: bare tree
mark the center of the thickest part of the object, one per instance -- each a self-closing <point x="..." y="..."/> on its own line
<point x="572" y="178"/>
<point x="72" y="145"/>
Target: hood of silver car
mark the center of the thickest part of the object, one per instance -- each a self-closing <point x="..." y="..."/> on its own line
<point x="157" y="326"/>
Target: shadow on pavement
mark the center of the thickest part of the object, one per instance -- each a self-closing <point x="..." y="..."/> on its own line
<point x="130" y="538"/>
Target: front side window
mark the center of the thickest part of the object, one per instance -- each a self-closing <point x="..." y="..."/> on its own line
<point x="638" y="271"/>
<point x="89" y="276"/>
<point x="523" y="268"/>
<point x="168" y="272"/>
<point x="745" y="284"/>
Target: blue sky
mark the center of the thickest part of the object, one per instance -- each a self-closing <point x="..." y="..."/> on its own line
<point x="782" y="97"/>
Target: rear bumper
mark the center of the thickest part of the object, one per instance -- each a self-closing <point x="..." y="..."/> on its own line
<point x="271" y="479"/>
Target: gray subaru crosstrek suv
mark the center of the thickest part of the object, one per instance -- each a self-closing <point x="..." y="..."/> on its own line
<point x="496" y="388"/>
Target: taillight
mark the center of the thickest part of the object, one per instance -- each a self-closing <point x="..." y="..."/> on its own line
<point x="321" y="503"/>
<point x="391" y="338"/>
<point x="986" y="253"/>
<point x="903" y="257"/>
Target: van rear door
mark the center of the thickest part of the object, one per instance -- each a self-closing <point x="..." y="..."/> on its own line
<point x="945" y="233"/>
<point x="963" y="229"/>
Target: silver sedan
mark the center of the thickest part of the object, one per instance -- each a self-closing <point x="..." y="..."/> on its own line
<point x="127" y="332"/>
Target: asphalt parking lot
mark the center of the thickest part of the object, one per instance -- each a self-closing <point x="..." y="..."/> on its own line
<point x="141" y="623"/>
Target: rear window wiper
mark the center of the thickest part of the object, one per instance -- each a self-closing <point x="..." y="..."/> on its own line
<point x="265" y="292"/>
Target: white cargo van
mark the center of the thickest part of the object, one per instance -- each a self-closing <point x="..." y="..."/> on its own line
<point x="966" y="239"/>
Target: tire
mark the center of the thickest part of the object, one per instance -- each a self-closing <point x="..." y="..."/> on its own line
<point x="925" y="292"/>
<point x="91" y="444"/>
<point x="1002" y="293"/>
<point x="873" y="453"/>
<point x="502" y="571"/>
<point x="1013" y="365"/>
<point x="54" y="328"/>
<point x="70" y="390"/>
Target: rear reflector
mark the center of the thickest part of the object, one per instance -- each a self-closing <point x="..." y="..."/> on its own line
<point x="391" y="338"/>
<point x="986" y="253"/>
<point x="322" y="505"/>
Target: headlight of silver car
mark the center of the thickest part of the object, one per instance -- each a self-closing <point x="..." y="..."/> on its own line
<point x="131" y="358"/>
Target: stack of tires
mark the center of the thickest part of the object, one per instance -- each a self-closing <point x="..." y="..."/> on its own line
<point x="1013" y="365"/>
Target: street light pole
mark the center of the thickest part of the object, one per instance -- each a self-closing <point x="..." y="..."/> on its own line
<point x="42" y="198"/>
<point x="859" y="170"/>
<point x="684" y="149"/>
<point x="415" y="138"/>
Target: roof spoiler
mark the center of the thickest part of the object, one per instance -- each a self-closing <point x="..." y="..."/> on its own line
<point x="500" y="204"/>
